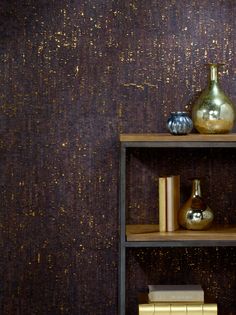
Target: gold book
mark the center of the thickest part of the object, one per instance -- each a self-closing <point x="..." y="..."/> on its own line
<point x="178" y="309"/>
<point x="195" y="309"/>
<point x="162" y="309"/>
<point x="210" y="309"/>
<point x="162" y="204"/>
<point x="173" y="202"/>
<point x="146" y="309"/>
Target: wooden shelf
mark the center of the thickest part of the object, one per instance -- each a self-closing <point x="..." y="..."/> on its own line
<point x="141" y="233"/>
<point x="152" y="137"/>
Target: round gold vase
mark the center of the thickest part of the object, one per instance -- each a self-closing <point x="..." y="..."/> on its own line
<point x="195" y="214"/>
<point x="213" y="112"/>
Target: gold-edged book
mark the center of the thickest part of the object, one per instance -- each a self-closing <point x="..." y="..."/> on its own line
<point x="178" y="309"/>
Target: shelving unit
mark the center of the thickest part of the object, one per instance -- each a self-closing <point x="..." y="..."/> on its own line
<point x="134" y="236"/>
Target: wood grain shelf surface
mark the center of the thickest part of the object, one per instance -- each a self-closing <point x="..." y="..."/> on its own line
<point x="231" y="137"/>
<point x="150" y="232"/>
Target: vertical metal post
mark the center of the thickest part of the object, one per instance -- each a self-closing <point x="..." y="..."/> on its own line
<point x="122" y="213"/>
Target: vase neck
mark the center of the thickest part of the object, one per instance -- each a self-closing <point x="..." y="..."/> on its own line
<point x="213" y="73"/>
<point x="196" y="188"/>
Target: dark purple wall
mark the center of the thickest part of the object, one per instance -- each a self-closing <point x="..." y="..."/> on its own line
<point x="74" y="75"/>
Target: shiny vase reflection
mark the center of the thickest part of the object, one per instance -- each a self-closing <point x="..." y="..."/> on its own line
<point x="179" y="123"/>
<point x="195" y="214"/>
<point x="213" y="112"/>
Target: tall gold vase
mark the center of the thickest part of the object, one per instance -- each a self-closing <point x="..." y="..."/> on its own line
<point x="213" y="112"/>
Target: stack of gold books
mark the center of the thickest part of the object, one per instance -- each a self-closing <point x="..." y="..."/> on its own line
<point x="177" y="309"/>
<point x="176" y="300"/>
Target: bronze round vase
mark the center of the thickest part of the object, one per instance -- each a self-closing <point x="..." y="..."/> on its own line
<point x="213" y="112"/>
<point x="195" y="214"/>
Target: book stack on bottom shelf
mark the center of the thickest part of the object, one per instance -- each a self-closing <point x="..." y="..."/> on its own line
<point x="177" y="300"/>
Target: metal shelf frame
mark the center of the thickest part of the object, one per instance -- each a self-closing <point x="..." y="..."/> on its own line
<point x="159" y="141"/>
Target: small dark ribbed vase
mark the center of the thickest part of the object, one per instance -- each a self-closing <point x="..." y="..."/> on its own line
<point x="179" y="123"/>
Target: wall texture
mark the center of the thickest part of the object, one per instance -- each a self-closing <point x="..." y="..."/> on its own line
<point x="74" y="75"/>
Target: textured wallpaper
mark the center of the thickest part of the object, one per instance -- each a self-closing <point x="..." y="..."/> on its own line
<point x="74" y="75"/>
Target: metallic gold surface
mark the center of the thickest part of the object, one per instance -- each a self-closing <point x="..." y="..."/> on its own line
<point x="195" y="214"/>
<point x="213" y="112"/>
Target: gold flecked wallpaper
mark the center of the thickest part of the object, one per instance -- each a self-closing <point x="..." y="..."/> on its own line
<point x="74" y="75"/>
